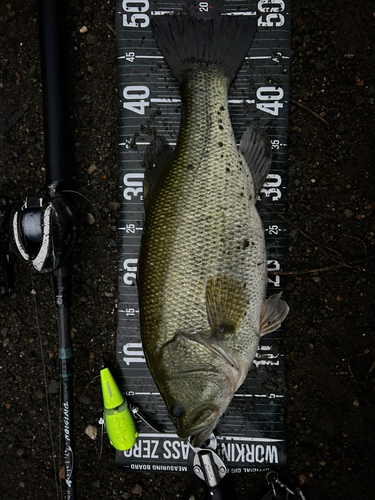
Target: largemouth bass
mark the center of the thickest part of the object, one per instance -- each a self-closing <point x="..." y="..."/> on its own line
<point x="203" y="267"/>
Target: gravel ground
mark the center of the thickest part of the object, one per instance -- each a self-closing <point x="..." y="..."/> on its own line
<point x="330" y="347"/>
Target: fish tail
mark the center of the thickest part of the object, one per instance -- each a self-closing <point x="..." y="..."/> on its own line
<point x="188" y="43"/>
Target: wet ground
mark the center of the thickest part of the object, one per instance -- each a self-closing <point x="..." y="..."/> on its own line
<point x="329" y="345"/>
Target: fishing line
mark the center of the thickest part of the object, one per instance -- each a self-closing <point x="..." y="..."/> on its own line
<point x="85" y="197"/>
<point x="33" y="292"/>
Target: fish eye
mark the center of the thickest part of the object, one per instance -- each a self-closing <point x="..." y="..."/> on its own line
<point x="177" y="410"/>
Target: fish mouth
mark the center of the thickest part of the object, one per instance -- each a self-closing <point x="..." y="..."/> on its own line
<point x="203" y="435"/>
<point x="201" y="423"/>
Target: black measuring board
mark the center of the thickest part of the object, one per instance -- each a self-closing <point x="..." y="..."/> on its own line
<point x="251" y="432"/>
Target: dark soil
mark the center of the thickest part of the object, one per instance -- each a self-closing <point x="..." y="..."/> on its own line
<point x="330" y="346"/>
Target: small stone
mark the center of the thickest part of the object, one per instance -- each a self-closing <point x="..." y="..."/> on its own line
<point x="302" y="479"/>
<point x="90" y="69"/>
<point x="62" y="473"/>
<point x="92" y="169"/>
<point x="114" y="205"/>
<point x="91" y="431"/>
<point x="85" y="400"/>
<point x="39" y="394"/>
<point x="90" y="219"/>
<point x="20" y="452"/>
<point x="356" y="402"/>
<point x="84" y="29"/>
<point x="21" y="484"/>
<point x="137" y="489"/>
<point x="97" y="484"/>
<point x="348" y="213"/>
<point x="316" y="279"/>
<point x="54" y="387"/>
<point x="359" y="81"/>
<point x="90" y="39"/>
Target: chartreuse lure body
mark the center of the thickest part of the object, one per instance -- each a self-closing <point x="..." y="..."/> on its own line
<point x="118" y="417"/>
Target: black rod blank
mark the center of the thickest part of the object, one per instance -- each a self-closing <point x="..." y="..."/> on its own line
<point x="51" y="26"/>
<point x="62" y="281"/>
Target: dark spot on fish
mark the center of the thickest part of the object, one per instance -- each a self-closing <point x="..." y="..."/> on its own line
<point x="190" y="167"/>
<point x="220" y="120"/>
<point x="245" y="244"/>
<point x="241" y="194"/>
<point x="227" y="169"/>
<point x="177" y="410"/>
<point x="241" y="162"/>
<point x="253" y="243"/>
<point x="244" y="285"/>
<point x="250" y="197"/>
<point x="222" y="108"/>
<point x="221" y="127"/>
<point x="259" y="263"/>
<point x="220" y="144"/>
<point x="221" y="156"/>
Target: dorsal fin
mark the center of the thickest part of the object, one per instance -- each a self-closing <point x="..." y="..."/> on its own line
<point x="256" y="147"/>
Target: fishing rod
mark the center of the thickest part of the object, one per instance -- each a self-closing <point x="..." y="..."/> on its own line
<point x="43" y="229"/>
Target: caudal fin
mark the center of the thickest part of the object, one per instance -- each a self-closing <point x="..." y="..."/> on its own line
<point x="188" y="43"/>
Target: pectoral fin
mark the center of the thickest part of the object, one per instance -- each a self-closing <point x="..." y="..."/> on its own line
<point x="274" y="311"/>
<point x="226" y="305"/>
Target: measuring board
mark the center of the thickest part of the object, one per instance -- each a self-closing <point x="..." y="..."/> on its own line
<point x="251" y="432"/>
